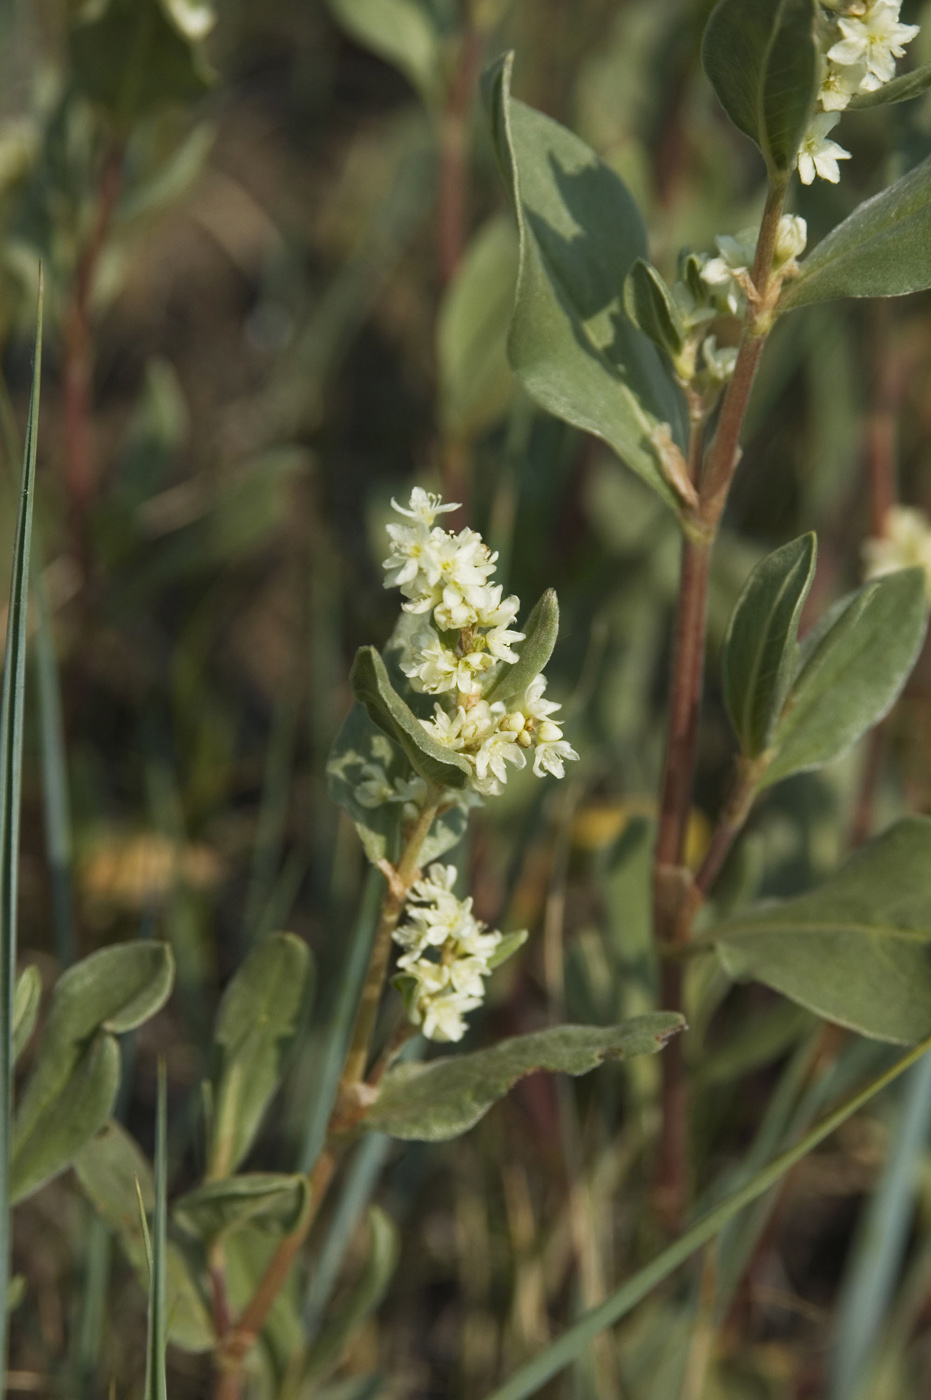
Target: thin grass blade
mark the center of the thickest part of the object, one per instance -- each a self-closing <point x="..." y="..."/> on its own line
<point x="530" y="1378"/>
<point x="12" y="700"/>
<point x="156" y="1384"/>
<point x="55" y="795"/>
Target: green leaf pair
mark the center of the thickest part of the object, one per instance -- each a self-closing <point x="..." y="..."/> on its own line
<point x="796" y="708"/>
<point x="71" y="1090"/>
<point x="446" y="1097"/>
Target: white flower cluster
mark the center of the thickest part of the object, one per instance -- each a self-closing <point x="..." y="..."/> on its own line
<point x="727" y="275"/>
<point x="905" y="544"/>
<point x="467" y="630"/>
<point x="447" y="955"/>
<point x="864" y="38"/>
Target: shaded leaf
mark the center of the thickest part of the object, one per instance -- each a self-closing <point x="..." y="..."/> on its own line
<point x="406" y="33"/>
<point x="258" y="1018"/>
<point x="540" y="632"/>
<point x="853" y="667"/>
<point x="372" y="687"/>
<point x="761" y="647"/>
<point x="763" y="62"/>
<point x="441" y="1099"/>
<point x="857" y="949"/>
<point x="133" y="58"/>
<point x="66" y="1118"/>
<point x="25" y="1008"/>
<point x="475" y="380"/>
<point x="380" y="1264"/>
<point x="571" y="344"/>
<point x="272" y="1200"/>
<point x="108" y="1168"/>
<point x="650" y="306"/>
<point x="882" y="250"/>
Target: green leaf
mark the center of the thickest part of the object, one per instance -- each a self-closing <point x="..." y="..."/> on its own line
<point x="12" y="699"/>
<point x="761" y="649"/>
<point x="108" y="1168"/>
<point x="25" y="1008"/>
<point x="66" y="1098"/>
<point x="67" y="1118"/>
<point x="132" y="58"/>
<point x="571" y="345"/>
<point x="406" y="33"/>
<point x="540" y="632"/>
<point x="763" y="62"/>
<point x="854" y="665"/>
<point x="882" y="250"/>
<point x="475" y="380"/>
<point x="257" y="1021"/>
<point x="380" y="1264"/>
<point x="372" y="687"/>
<point x="530" y="1378"/>
<point x="509" y="945"/>
<point x="156" y="1382"/>
<point x="900" y="89"/>
<point x="439" y="1100"/>
<point x="857" y="949"/>
<point x="650" y="306"/>
<point x="274" y="1201"/>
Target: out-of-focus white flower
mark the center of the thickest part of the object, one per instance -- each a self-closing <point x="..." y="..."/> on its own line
<point x="874" y="39"/>
<point x="841" y="82"/>
<point x="718" y="362"/>
<point x="906" y="544"/>
<point x="817" y="155"/>
<point x="791" y="237"/>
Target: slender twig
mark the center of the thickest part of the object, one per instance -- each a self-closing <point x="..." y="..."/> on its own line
<point x="676" y="897"/>
<point x="730" y="824"/>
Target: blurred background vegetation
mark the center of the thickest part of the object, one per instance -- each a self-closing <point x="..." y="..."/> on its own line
<point x="279" y="268"/>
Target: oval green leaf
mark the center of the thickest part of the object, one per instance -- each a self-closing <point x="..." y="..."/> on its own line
<point x="475" y="380"/>
<point x="857" y="950"/>
<point x="763" y="62"/>
<point x="58" y="1127"/>
<point x="270" y="1199"/>
<point x="900" y="89"/>
<point x="405" y="33"/>
<point x="571" y="344"/>
<point x="650" y="307"/>
<point x="540" y="632"/>
<point x="446" y="1097"/>
<point x="372" y="687"/>
<point x="258" y="1018"/>
<point x="882" y="250"/>
<point x="761" y="648"/>
<point x="854" y="665"/>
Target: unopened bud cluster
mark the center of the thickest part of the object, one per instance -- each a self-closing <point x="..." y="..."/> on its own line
<point x="447" y="955"/>
<point x="861" y="40"/>
<point x="466" y="633"/>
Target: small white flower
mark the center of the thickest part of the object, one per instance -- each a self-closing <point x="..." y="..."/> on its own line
<point x="905" y="544"/>
<point x="719" y="363"/>
<point x="424" y="506"/>
<point x="443" y="1016"/>
<point x="841" y="82"/>
<point x="497" y="751"/>
<point x="446" y="729"/>
<point x="875" y="39"/>
<point x="435" y="668"/>
<point x="791" y="237"/>
<point x="818" y="155"/>
<point x="550" y="756"/>
<point x="533" y="703"/>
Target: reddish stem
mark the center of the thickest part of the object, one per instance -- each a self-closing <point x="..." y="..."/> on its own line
<point x="78" y="358"/>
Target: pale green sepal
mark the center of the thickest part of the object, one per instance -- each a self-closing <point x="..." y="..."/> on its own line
<point x="509" y="945"/>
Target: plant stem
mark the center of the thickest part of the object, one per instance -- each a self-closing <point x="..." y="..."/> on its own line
<point x="675" y="895"/>
<point x="395" y="896"/>
<point x="729" y="826"/>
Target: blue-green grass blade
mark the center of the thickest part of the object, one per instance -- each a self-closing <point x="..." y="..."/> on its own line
<point x="156" y="1385"/>
<point x="11" y="756"/>
<point x="530" y="1378"/>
